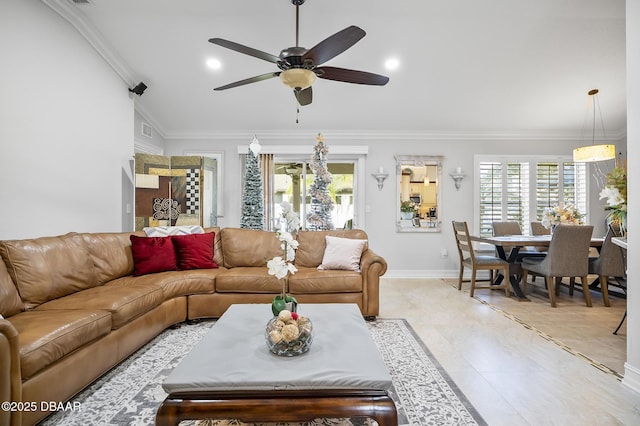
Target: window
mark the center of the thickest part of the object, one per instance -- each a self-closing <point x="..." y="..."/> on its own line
<point x="292" y="182"/>
<point x="519" y="189"/>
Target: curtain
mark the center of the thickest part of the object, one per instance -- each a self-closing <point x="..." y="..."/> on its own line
<point x="267" y="167"/>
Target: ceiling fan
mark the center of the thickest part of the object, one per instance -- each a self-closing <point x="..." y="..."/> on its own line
<point x="300" y="67"/>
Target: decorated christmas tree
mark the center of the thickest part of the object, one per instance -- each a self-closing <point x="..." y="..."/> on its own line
<point x="319" y="217"/>
<point x="252" y="202"/>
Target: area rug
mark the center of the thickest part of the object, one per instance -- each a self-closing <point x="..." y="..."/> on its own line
<point x="130" y="394"/>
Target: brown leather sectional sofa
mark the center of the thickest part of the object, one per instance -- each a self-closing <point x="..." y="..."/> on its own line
<point x="73" y="310"/>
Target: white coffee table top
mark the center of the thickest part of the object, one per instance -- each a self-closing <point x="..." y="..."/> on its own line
<point x="233" y="355"/>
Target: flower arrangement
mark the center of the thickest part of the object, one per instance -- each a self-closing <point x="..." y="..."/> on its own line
<point x="407" y="206"/>
<point x="561" y="213"/>
<point x="290" y="217"/>
<point x="615" y="192"/>
<point x="281" y="267"/>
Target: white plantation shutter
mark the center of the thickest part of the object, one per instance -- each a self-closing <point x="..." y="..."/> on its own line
<point x="520" y="190"/>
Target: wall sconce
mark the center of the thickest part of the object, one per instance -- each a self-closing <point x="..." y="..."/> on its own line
<point x="380" y="177"/>
<point x="457" y="177"/>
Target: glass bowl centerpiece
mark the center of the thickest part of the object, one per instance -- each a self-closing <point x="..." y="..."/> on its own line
<point x="289" y="334"/>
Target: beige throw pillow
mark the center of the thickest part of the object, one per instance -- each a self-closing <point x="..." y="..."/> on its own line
<point x="342" y="253"/>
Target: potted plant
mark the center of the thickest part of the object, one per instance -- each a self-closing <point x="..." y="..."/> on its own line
<point x="407" y="210"/>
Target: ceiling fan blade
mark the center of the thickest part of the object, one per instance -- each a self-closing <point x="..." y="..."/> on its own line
<point x="244" y="49"/>
<point x="304" y="96"/>
<point x="351" y="76"/>
<point x="249" y="80"/>
<point x="334" y="45"/>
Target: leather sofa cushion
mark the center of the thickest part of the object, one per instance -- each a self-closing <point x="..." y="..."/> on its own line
<point x="247" y="280"/>
<point x="47" y="336"/>
<point x="176" y="283"/>
<point x="49" y="267"/>
<point x="312" y="281"/>
<point x="311" y="245"/>
<point x="248" y="247"/>
<point x="111" y="254"/>
<point x="125" y="301"/>
<point x="10" y="302"/>
<point x="217" y="245"/>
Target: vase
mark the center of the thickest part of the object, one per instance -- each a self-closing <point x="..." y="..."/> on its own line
<point x="289" y="338"/>
<point x="406" y="215"/>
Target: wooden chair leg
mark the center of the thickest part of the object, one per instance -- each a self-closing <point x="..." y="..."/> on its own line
<point x="585" y="289"/>
<point x="572" y="284"/>
<point x="460" y="277"/>
<point x="551" y="290"/>
<point x="604" y="285"/>
<point x="473" y="283"/>
<point x="507" y="282"/>
<point x="525" y="277"/>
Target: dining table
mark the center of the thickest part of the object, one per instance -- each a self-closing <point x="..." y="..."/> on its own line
<point x="509" y="248"/>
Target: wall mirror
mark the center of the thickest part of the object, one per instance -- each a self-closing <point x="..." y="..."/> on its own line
<point x="418" y="180"/>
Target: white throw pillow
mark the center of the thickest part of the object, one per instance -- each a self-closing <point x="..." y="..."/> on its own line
<point x="342" y="253"/>
<point x="164" y="231"/>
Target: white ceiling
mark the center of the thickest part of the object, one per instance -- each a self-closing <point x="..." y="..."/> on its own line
<point x="467" y="66"/>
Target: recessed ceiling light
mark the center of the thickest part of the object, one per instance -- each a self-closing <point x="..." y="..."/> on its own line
<point x="392" y="64"/>
<point x="214" y="64"/>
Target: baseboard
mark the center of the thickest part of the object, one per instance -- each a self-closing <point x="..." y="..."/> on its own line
<point x="631" y="378"/>
<point x="431" y="273"/>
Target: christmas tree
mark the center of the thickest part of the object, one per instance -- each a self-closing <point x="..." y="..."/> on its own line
<point x="252" y="202"/>
<point x="319" y="217"/>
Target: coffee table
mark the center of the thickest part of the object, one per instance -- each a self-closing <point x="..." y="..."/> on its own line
<point x="231" y="374"/>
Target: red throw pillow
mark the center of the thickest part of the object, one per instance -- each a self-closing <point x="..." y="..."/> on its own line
<point x="194" y="251"/>
<point x="152" y="254"/>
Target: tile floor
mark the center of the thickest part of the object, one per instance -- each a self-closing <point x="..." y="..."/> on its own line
<point x="508" y="356"/>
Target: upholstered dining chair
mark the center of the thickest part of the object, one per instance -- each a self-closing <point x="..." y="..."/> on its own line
<point x="567" y="256"/>
<point x="513" y="228"/>
<point x="469" y="258"/>
<point x="609" y="263"/>
<point x="538" y="229"/>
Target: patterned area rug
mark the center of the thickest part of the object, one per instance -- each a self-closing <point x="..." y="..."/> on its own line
<point x="131" y="393"/>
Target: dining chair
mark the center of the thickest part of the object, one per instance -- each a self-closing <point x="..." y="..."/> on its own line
<point x="538" y="229"/>
<point x="567" y="256"/>
<point x="501" y="229"/>
<point x="609" y="263"/>
<point x="469" y="258"/>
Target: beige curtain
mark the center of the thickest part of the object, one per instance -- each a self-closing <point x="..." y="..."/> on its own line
<point x="267" y="167"/>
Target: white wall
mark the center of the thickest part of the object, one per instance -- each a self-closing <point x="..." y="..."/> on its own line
<point x="632" y="366"/>
<point x="66" y="129"/>
<point x="407" y="254"/>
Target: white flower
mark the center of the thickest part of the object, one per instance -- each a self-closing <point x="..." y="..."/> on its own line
<point x="291" y="217"/>
<point x="278" y="267"/>
<point x="612" y="195"/>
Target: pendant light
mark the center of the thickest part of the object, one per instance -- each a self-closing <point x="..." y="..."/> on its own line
<point x="593" y="153"/>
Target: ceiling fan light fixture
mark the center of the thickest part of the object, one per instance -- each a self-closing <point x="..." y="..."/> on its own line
<point x="298" y="78"/>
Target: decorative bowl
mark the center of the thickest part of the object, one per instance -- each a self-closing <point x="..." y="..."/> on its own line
<point x="290" y="337"/>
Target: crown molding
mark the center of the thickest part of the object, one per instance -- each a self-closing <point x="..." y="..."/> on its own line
<point x="397" y="135"/>
<point x="76" y="18"/>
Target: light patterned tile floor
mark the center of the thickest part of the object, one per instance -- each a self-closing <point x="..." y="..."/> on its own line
<point x="510" y="358"/>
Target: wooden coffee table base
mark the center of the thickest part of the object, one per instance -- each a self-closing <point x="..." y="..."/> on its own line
<point x="277" y="406"/>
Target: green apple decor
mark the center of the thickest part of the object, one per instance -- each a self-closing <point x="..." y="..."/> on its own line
<point x="281" y="268"/>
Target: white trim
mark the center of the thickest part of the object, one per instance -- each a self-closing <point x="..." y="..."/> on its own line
<point x="146" y="147"/>
<point x="631" y="378"/>
<point x="307" y="149"/>
<point x="76" y="18"/>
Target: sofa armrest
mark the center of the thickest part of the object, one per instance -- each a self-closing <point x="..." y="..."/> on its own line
<point x="373" y="266"/>
<point x="10" y="377"/>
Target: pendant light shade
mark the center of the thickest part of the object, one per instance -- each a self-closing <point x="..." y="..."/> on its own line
<point x="593" y="153"/>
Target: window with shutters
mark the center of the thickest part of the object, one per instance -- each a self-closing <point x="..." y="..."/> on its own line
<point x="519" y="189"/>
